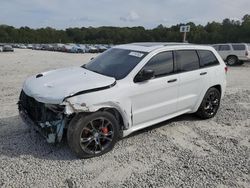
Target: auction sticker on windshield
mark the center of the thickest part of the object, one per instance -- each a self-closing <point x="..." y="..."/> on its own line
<point x="136" y="54"/>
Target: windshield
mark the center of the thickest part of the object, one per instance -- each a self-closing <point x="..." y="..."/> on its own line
<point x="116" y="63"/>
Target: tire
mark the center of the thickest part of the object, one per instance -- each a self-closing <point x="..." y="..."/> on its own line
<point x="232" y="60"/>
<point x="210" y="104"/>
<point x="92" y="135"/>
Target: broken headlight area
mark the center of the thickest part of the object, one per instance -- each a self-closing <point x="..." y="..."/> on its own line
<point x="48" y="119"/>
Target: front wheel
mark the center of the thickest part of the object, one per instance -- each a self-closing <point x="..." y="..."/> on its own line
<point x="210" y="104"/>
<point x="92" y="135"/>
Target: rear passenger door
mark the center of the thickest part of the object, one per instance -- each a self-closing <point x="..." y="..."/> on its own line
<point x="209" y="64"/>
<point x="192" y="79"/>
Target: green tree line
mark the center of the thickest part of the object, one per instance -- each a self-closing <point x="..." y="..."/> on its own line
<point x="212" y="32"/>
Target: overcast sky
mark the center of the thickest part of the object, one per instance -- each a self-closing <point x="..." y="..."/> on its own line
<point x="148" y="13"/>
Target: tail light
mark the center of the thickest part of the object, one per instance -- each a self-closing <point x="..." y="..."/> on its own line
<point x="246" y="53"/>
<point x="226" y="70"/>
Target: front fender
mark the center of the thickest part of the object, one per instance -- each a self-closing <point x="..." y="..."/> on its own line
<point x="125" y="109"/>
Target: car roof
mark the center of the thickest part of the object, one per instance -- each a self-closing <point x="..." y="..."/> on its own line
<point x="151" y="46"/>
<point x="230" y="44"/>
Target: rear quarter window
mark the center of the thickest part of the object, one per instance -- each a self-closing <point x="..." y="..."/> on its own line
<point x="207" y="58"/>
<point x="239" y="47"/>
<point x="187" y="60"/>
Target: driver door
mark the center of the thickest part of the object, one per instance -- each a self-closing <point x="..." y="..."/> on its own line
<point x="154" y="99"/>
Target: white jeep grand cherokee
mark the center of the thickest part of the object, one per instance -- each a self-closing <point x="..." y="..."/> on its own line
<point x="127" y="88"/>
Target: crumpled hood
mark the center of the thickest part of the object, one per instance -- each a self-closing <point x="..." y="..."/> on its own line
<point x="53" y="86"/>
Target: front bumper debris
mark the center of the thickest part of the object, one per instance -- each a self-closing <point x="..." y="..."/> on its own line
<point x="50" y="124"/>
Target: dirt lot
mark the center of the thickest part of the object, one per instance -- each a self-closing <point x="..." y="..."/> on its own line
<point x="183" y="152"/>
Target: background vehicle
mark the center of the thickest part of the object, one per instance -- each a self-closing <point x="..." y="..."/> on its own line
<point x="22" y="46"/>
<point x="7" y="48"/>
<point x="69" y="48"/>
<point x="58" y="47"/>
<point x="125" y="89"/>
<point x="29" y="46"/>
<point x="36" y="47"/>
<point x="92" y="49"/>
<point x="78" y="49"/>
<point x="235" y="53"/>
<point x="101" y="48"/>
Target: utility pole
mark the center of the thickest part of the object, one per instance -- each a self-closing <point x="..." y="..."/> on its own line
<point x="184" y="36"/>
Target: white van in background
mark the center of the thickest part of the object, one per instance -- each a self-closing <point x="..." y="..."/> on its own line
<point x="235" y="53"/>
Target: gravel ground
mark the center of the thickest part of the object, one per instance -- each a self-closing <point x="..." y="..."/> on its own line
<point x="182" y="152"/>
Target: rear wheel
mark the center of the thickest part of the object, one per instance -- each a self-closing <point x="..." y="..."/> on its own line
<point x="232" y="60"/>
<point x="210" y="104"/>
<point x="92" y="135"/>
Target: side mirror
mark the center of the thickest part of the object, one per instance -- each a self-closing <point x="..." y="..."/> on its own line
<point x="144" y="75"/>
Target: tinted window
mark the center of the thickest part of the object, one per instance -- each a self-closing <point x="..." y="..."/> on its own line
<point x="116" y="63"/>
<point x="216" y="47"/>
<point x="207" y="58"/>
<point x="161" y="64"/>
<point x="239" y="47"/>
<point x="224" y="48"/>
<point x="187" y="60"/>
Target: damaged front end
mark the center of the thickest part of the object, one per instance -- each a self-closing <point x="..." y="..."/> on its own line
<point x="48" y="119"/>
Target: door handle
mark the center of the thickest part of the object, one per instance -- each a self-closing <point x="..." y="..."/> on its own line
<point x="203" y="73"/>
<point x="173" y="80"/>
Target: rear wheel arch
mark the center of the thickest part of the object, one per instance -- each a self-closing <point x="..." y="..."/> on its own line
<point x="218" y="87"/>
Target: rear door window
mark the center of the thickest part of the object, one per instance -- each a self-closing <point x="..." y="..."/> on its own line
<point x="239" y="47"/>
<point x="224" y="48"/>
<point x="207" y="58"/>
<point x="187" y="60"/>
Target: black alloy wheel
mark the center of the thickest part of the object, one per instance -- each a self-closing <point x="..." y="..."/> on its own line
<point x="97" y="135"/>
<point x="92" y="135"/>
<point x="210" y="104"/>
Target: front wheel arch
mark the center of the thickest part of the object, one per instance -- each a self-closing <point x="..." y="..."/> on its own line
<point x="118" y="116"/>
